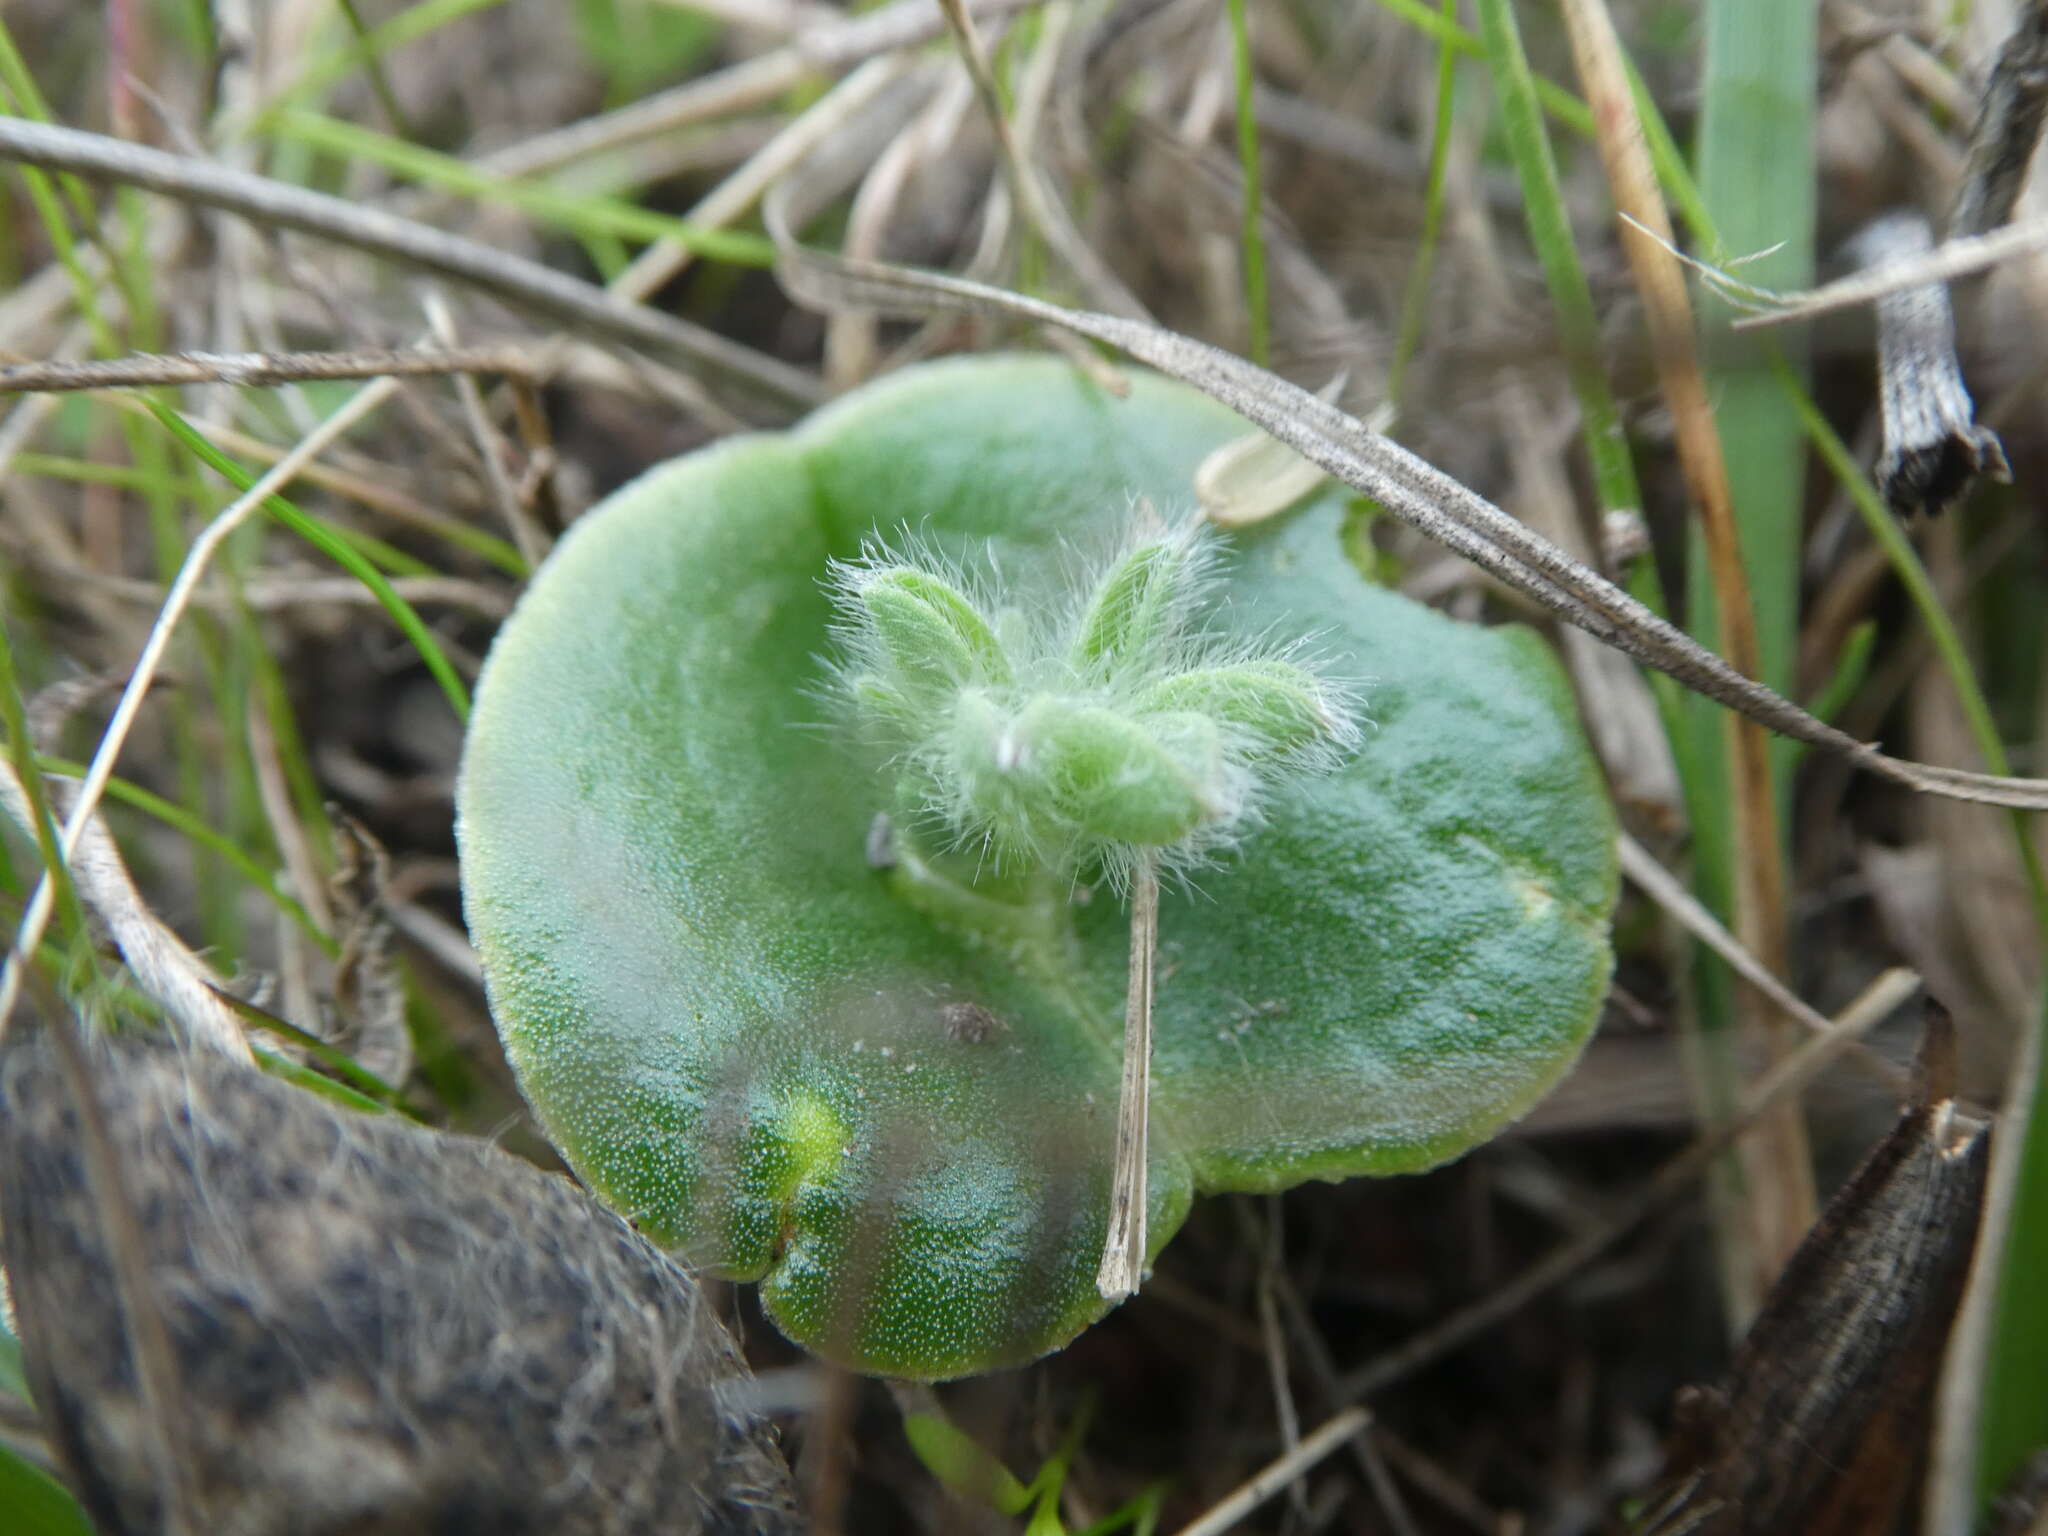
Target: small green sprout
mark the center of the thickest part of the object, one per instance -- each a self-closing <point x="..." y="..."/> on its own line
<point x="1115" y="733"/>
<point x="1120" y="735"/>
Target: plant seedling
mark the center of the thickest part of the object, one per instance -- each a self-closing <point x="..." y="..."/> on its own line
<point x="1118" y="737"/>
<point x="899" y="1079"/>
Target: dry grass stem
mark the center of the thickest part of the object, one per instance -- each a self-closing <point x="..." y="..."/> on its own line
<point x="1124" y="1248"/>
<point x="1040" y="205"/>
<point x="168" y="973"/>
<point x="1959" y="257"/>
<point x="1422" y="496"/>
<point x="1278" y="1475"/>
<point x="530" y="538"/>
<point x="851" y="346"/>
<point x="1669" y="892"/>
<point x="302" y="870"/>
<point x="512" y="278"/>
<point x="825" y="121"/>
<point x="1876" y="1003"/>
<point x="255" y="370"/>
<point x="740" y="88"/>
<point x="1780" y="1203"/>
<point x="36" y="916"/>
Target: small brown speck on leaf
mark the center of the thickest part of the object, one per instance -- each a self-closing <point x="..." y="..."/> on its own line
<point x="970" y="1023"/>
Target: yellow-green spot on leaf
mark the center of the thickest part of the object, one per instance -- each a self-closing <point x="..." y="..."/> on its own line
<point x="810" y="1142"/>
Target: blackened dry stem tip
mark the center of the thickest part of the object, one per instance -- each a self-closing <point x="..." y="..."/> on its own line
<point x="1934" y="450"/>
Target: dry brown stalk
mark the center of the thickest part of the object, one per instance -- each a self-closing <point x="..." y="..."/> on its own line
<point x="1778" y="1204"/>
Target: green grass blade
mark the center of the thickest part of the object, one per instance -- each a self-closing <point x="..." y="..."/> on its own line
<point x="317" y="1083"/>
<point x="1550" y="233"/>
<point x="1757" y="181"/>
<point x="37" y="1504"/>
<point x="1571" y="296"/>
<point x="2015" y="1405"/>
<point x="337" y="549"/>
<point x="408" y="26"/>
<point x="587" y="215"/>
<point x="1415" y="298"/>
<point x="1851" y="669"/>
<point x="1557" y="101"/>
<point x="195" y="829"/>
<point x="13" y="1381"/>
<point x="373" y="65"/>
<point x="1253" y="239"/>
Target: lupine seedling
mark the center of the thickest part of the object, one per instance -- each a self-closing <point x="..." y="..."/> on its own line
<point x="1117" y="737"/>
<point x="882" y="1074"/>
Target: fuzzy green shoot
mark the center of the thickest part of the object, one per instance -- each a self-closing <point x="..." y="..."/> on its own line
<point x="1121" y="731"/>
<point x="1122" y="736"/>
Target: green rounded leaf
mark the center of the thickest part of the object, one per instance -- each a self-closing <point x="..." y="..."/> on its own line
<point x="890" y="1094"/>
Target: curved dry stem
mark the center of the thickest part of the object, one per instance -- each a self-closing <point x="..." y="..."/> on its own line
<point x="511" y="278"/>
<point x="37" y="917"/>
<point x="1421" y="495"/>
<point x="168" y="973"/>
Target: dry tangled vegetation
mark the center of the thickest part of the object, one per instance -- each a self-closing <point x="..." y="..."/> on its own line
<point x="1516" y="1326"/>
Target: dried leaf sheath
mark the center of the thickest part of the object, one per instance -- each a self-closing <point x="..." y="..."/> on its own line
<point x="1822" y="1426"/>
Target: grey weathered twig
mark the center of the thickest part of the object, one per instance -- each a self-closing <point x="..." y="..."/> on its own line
<point x="1934" y="451"/>
<point x="1415" y="491"/>
<point x="1959" y="256"/>
<point x="1933" y="448"/>
<point x="2008" y="129"/>
<point x="514" y="279"/>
